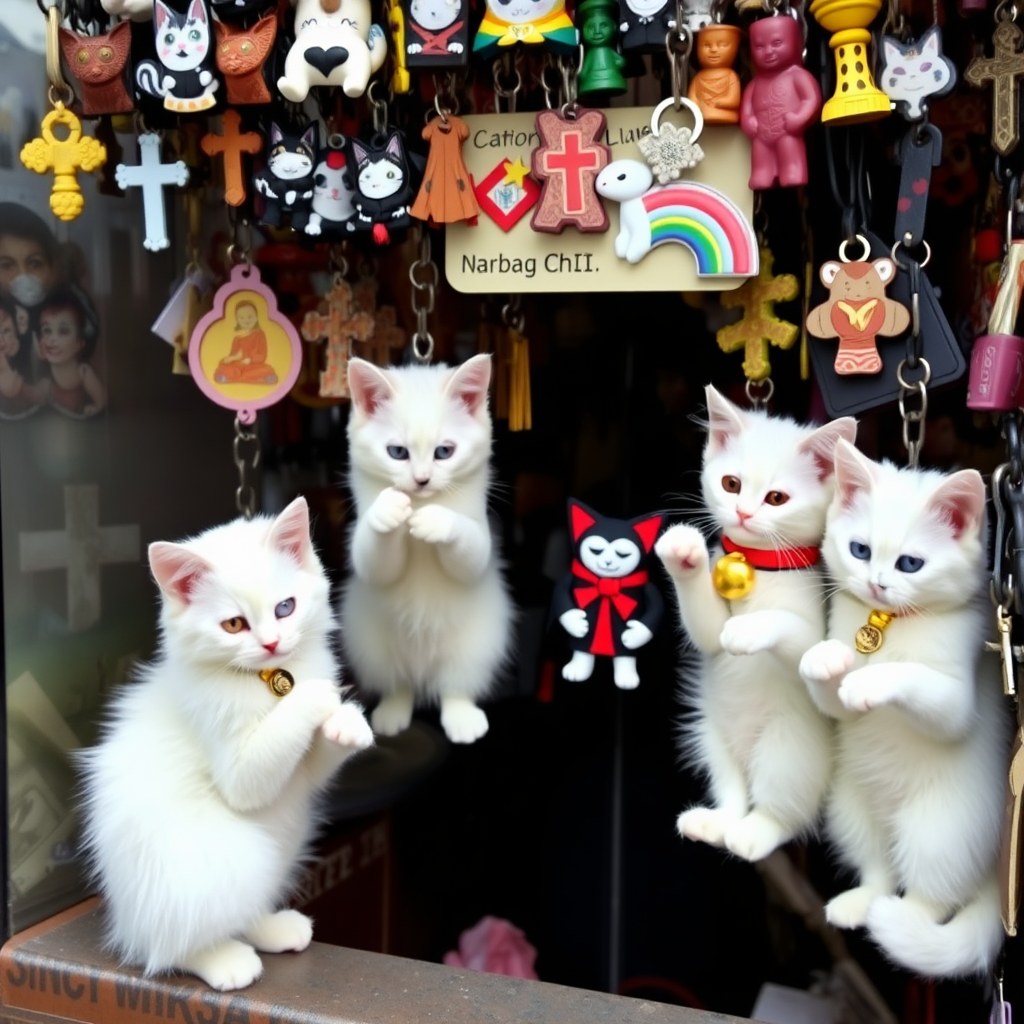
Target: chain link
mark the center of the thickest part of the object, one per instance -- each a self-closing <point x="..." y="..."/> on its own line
<point x="424" y="277"/>
<point x="246" y="451"/>
<point x="512" y="313"/>
<point x="759" y="393"/>
<point x="913" y="416"/>
<point x="1008" y="498"/>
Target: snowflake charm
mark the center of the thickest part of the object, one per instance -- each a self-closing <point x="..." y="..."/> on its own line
<point x="670" y="150"/>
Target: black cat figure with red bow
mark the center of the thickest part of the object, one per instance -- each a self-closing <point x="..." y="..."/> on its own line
<point x="607" y="603"/>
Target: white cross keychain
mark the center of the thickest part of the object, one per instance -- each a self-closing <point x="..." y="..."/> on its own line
<point x="151" y="176"/>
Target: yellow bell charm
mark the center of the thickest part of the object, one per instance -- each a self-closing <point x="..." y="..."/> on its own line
<point x="279" y="680"/>
<point x="857" y="98"/>
<point x="733" y="576"/>
<point x="869" y="637"/>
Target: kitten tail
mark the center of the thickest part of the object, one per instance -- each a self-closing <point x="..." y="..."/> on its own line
<point x="967" y="944"/>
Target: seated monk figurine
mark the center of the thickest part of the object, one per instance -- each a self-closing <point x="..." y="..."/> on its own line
<point x="246" y="363"/>
<point x="716" y="87"/>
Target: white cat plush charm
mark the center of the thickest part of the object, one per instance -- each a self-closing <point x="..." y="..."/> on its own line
<point x="425" y="615"/>
<point x="335" y="44"/>
<point x="922" y="743"/>
<point x="765" y="748"/>
<point x="200" y="799"/>
<point x="915" y="71"/>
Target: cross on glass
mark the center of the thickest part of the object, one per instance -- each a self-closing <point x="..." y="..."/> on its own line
<point x="1002" y="69"/>
<point x="340" y="324"/>
<point x="387" y="336"/>
<point x="231" y="145"/>
<point x="80" y="548"/>
<point x="152" y="176"/>
<point x="759" y="326"/>
<point x="567" y="163"/>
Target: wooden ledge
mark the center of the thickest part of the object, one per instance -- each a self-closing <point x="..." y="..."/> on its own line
<point x="57" y="970"/>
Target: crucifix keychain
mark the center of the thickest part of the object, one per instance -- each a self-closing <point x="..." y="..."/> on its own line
<point x="339" y="323"/>
<point x="151" y="176"/>
<point x="1002" y="71"/>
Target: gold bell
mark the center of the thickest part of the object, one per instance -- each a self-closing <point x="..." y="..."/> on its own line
<point x="869" y="637"/>
<point x="857" y="98"/>
<point x="279" y="680"/>
<point x="733" y="576"/>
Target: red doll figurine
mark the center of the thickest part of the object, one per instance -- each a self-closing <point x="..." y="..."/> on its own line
<point x="778" y="105"/>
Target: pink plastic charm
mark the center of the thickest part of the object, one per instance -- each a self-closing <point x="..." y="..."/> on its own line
<point x="778" y="105"/>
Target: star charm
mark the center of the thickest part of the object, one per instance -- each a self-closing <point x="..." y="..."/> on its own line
<point x="670" y="152"/>
<point x="515" y="172"/>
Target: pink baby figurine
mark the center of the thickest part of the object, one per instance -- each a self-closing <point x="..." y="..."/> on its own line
<point x="779" y="104"/>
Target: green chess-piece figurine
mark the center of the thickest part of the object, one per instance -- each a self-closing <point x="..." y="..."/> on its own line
<point x="602" y="63"/>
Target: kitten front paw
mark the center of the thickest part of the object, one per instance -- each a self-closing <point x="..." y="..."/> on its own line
<point x="850" y="909"/>
<point x="861" y="692"/>
<point x="635" y="635"/>
<point x="321" y="696"/>
<point x="705" y="824"/>
<point x="683" y="551"/>
<point x="574" y="622"/>
<point x="287" y="931"/>
<point x="392" y="715"/>
<point x="433" y="524"/>
<point x="462" y="720"/>
<point x="826" y="662"/>
<point x="348" y="728"/>
<point x="755" y="836"/>
<point x="749" y="634"/>
<point x="229" y="966"/>
<point x="390" y="509"/>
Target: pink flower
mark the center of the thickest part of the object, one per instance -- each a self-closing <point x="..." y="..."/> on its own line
<point x="496" y="946"/>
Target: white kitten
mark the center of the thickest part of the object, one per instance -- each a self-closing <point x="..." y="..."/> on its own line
<point x="920" y="777"/>
<point x="767" y="483"/>
<point x="425" y="614"/>
<point x="199" y="799"/>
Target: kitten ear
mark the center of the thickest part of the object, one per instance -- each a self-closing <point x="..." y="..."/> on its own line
<point x="960" y="501"/>
<point x="821" y="445"/>
<point x="725" y="421"/>
<point x="275" y="134"/>
<point x="930" y="42"/>
<point x="647" y="530"/>
<point x="360" y="153"/>
<point x="290" y="532"/>
<point x="855" y="473"/>
<point x="891" y="51"/>
<point x="470" y="381"/>
<point x="395" y="146"/>
<point x="581" y="518"/>
<point x="368" y="386"/>
<point x="176" y="569"/>
<point x="311" y="137"/>
<point x="197" y="11"/>
<point x="161" y="13"/>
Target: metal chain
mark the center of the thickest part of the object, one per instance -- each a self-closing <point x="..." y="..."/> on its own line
<point x="913" y="416"/>
<point x="246" y="442"/>
<point x="759" y="393"/>
<point x="424" y="277"/>
<point x="512" y="312"/>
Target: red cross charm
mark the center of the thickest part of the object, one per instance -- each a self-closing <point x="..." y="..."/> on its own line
<point x="566" y="164"/>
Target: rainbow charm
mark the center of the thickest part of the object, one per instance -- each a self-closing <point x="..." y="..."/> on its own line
<point x="697" y="216"/>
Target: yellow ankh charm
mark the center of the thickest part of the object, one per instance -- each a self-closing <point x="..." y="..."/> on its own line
<point x="65" y="157"/>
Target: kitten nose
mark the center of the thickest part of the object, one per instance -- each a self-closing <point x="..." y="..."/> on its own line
<point x="422" y="481"/>
<point x="271" y="647"/>
<point x="744" y="516"/>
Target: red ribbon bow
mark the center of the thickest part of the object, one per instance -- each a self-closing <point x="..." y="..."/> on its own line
<point x="609" y="591"/>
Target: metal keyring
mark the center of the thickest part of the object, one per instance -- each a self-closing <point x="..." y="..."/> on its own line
<point x="860" y="259"/>
<point x="698" y="117"/>
<point x="927" y="253"/>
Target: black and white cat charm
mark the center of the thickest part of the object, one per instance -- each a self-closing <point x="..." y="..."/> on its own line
<point x="383" y="187"/>
<point x="184" y="72"/>
<point x="332" y="211"/>
<point x="286" y="183"/>
<point x="914" y="72"/>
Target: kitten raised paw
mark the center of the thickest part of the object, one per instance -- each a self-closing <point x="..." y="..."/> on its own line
<point x="749" y="634"/>
<point x="462" y="720"/>
<point x="392" y="715"/>
<point x="850" y="909"/>
<point x="705" y="825"/>
<point x="683" y="551"/>
<point x="287" y="931"/>
<point x="227" y="966"/>
<point x="433" y="524"/>
<point x="389" y="511"/>
<point x="861" y="690"/>
<point x="348" y="728"/>
<point x="755" y="836"/>
<point x="826" y="662"/>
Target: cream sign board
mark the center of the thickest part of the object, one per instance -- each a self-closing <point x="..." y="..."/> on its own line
<point x="699" y="223"/>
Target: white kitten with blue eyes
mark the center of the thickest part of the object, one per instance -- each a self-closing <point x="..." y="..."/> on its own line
<point x="765" y="748"/>
<point x="923" y="737"/>
<point x="425" y="615"/>
<point x="200" y="799"/>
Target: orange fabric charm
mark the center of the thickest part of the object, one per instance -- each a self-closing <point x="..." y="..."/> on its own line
<point x="446" y="195"/>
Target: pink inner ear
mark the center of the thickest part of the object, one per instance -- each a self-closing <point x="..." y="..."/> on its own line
<point x="368" y="386"/>
<point x="197" y="12"/>
<point x="160" y="14"/>
<point x="177" y="570"/>
<point x="290" y="532"/>
<point x="470" y="381"/>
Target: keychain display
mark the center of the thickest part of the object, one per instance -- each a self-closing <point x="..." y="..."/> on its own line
<point x="331" y="209"/>
<point x="1002" y="71"/>
<point x="544" y="23"/>
<point x="607" y="604"/>
<point x="603" y="66"/>
<point x="230" y="145"/>
<point x="335" y="44"/>
<point x="715" y="88"/>
<point x="435" y="33"/>
<point x="912" y="73"/>
<point x="644" y="24"/>
<point x="286" y="183"/>
<point x="241" y="54"/>
<point x="182" y="75"/>
<point x="670" y="150"/>
<point x="152" y="177"/>
<point x="446" y="194"/>
<point x="383" y="186"/>
<point x="100" y="64"/>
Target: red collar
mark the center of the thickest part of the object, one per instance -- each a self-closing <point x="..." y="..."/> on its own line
<point x="786" y="558"/>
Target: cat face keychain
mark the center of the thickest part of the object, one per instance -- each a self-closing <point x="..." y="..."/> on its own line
<point x="241" y="54"/>
<point x="331" y="209"/>
<point x="383" y="190"/>
<point x="98" y="64"/>
<point x="286" y="183"/>
<point x="183" y="73"/>
<point x="914" y="72"/>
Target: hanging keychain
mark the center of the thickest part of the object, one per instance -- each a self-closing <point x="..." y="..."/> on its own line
<point x="64" y="157"/>
<point x="286" y="183"/>
<point x="715" y="88"/>
<point x="100" y="64"/>
<point x="152" y="176"/>
<point x="339" y="324"/>
<point x="1002" y="71"/>
<point x="241" y="54"/>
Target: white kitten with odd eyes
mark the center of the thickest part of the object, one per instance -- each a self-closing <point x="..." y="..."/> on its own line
<point x="923" y="737"/>
<point x="425" y="615"/>
<point x="754" y="731"/>
<point x="200" y="799"/>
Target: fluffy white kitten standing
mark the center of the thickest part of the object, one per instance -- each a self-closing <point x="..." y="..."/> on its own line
<point x="425" y="615"/>
<point x="199" y="800"/>
<point x="923" y="735"/>
<point x="766" y="483"/>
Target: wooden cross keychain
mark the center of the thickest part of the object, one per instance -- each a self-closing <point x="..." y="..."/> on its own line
<point x="1002" y="70"/>
<point x="230" y="145"/>
<point x="151" y="176"/>
<point x="339" y="323"/>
